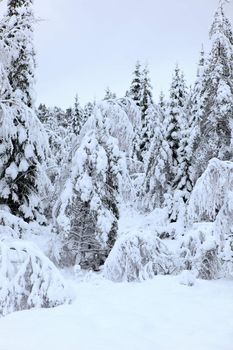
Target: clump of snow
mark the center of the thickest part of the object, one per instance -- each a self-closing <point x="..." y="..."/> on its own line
<point x="28" y="278"/>
<point x="137" y="257"/>
<point x="187" y="278"/>
<point x="12" y="226"/>
<point x="12" y="171"/>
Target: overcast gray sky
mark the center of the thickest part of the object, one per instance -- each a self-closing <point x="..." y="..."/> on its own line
<point x="84" y="46"/>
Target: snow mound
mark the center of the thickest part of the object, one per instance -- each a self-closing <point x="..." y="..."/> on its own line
<point x="187" y="278"/>
<point x="137" y="257"/>
<point x="28" y="278"/>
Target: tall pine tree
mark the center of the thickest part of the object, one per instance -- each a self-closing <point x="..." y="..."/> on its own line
<point x="217" y="96"/>
<point x="24" y="146"/>
<point x="20" y="21"/>
<point x="147" y="114"/>
<point x="175" y="121"/>
<point x="135" y="91"/>
<point x="92" y="208"/>
<point x="77" y="117"/>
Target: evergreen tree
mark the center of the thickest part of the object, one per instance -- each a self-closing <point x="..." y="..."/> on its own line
<point x="59" y="135"/>
<point x="60" y="116"/>
<point x="195" y="110"/>
<point x="217" y="96"/>
<point x="87" y="111"/>
<point x="167" y="178"/>
<point x="20" y="20"/>
<point x="176" y="122"/>
<point x="135" y="91"/>
<point x="43" y="113"/>
<point x="146" y="92"/>
<point x="24" y="146"/>
<point x="77" y="117"/>
<point x="155" y="184"/>
<point x="69" y="118"/>
<point x="93" y="206"/>
<point x="147" y="116"/>
<point x="196" y="96"/>
<point x="182" y="182"/>
<point x="109" y="95"/>
<point x="162" y="105"/>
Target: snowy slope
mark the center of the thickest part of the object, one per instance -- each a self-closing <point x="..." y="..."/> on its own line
<point x="160" y="314"/>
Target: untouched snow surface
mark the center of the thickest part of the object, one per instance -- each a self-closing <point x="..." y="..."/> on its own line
<point x="160" y="314"/>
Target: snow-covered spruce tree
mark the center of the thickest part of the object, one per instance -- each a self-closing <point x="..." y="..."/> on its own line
<point x="162" y="105"/>
<point x="135" y="91"/>
<point x="92" y="207"/>
<point x="147" y="109"/>
<point x="176" y="120"/>
<point x="195" y="110"/>
<point x="197" y="91"/>
<point x="77" y="117"/>
<point x="157" y="161"/>
<point x="156" y="168"/>
<point x="124" y="120"/>
<point x="43" y="113"/>
<point x="124" y="116"/>
<point x="182" y="180"/>
<point x="69" y="117"/>
<point x="21" y="71"/>
<point x="24" y="149"/>
<point x="109" y="95"/>
<point x="217" y="101"/>
<point x="167" y="167"/>
<point x="61" y="117"/>
<point x="24" y="146"/>
<point x="177" y="137"/>
<point x="87" y="111"/>
<point x="61" y="141"/>
<point x="59" y="134"/>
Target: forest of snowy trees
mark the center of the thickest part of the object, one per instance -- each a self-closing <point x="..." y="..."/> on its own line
<point x="67" y="175"/>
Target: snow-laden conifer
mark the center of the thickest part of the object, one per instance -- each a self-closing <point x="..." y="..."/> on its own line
<point x="137" y="257"/>
<point x="18" y="40"/>
<point x="28" y="279"/>
<point x="24" y="145"/>
<point x="89" y="204"/>
<point x="76" y="117"/>
<point x="217" y="101"/>
<point x="135" y="91"/>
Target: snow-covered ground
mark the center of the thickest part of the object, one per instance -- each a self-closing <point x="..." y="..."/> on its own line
<point x="160" y="314"/>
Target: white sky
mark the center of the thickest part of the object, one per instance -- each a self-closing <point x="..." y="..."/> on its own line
<point x="83" y="46"/>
